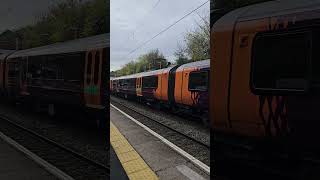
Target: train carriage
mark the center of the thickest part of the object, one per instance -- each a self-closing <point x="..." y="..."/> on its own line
<point x="192" y="84"/>
<point x="264" y="74"/>
<point x="182" y="87"/>
<point x="61" y="74"/>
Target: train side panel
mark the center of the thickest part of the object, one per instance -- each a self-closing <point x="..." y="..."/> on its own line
<point x="165" y="83"/>
<point x="245" y="121"/>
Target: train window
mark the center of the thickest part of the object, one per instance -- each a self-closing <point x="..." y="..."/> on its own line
<point x="35" y="66"/>
<point x="96" y="67"/>
<point x="198" y="81"/>
<point x="280" y="62"/>
<point x="72" y="66"/>
<point x="150" y="82"/>
<point x="50" y="68"/>
<point x="89" y="64"/>
<point x="130" y="83"/>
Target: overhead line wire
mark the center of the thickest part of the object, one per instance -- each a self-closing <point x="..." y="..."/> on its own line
<point x="167" y="28"/>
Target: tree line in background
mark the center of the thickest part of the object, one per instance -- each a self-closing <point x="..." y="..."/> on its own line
<point x="152" y="60"/>
<point x="65" y="20"/>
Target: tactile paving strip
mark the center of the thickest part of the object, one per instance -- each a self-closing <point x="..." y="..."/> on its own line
<point x="130" y="160"/>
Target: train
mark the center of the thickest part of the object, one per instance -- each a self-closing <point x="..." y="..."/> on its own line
<point x="179" y="87"/>
<point x="264" y="98"/>
<point x="64" y="75"/>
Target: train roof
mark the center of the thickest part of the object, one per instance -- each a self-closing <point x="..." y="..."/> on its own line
<point x="148" y="73"/>
<point x="199" y="64"/>
<point x="77" y="45"/>
<point x="263" y="10"/>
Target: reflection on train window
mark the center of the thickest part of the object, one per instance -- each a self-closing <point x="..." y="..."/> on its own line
<point x="198" y="81"/>
<point x="130" y="83"/>
<point x="35" y="66"/>
<point x="89" y="67"/>
<point x="96" y="67"/>
<point x="150" y="82"/>
<point x="281" y="61"/>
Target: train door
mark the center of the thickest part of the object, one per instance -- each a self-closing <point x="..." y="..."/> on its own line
<point x="92" y="79"/>
<point x="171" y="84"/>
<point x="186" y="96"/>
<point x="139" y="86"/>
<point x="23" y="76"/>
<point x="244" y="120"/>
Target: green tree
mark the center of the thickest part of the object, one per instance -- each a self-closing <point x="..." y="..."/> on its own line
<point x="152" y="60"/>
<point x="197" y="43"/>
<point x="180" y="54"/>
<point x="66" y="20"/>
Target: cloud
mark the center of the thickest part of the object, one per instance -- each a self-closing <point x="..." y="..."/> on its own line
<point x="135" y="21"/>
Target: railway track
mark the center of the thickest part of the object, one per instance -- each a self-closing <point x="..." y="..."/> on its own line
<point x="196" y="148"/>
<point x="72" y="163"/>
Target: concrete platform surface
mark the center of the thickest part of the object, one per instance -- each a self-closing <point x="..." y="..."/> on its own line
<point x="15" y="165"/>
<point x="164" y="161"/>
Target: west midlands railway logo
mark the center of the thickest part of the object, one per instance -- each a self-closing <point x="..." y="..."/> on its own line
<point x="91" y="90"/>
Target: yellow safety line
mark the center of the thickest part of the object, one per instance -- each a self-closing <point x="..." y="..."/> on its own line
<point x="132" y="163"/>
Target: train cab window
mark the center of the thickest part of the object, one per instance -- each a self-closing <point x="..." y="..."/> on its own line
<point x="281" y="62"/>
<point x="150" y="82"/>
<point x="198" y="81"/>
<point x="96" y="67"/>
<point x="89" y="67"/>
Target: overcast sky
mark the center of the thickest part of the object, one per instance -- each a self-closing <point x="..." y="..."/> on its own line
<point x="135" y="21"/>
<point x="19" y="13"/>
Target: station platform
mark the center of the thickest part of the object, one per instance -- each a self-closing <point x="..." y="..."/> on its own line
<point x="141" y="152"/>
<point x="15" y="165"/>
